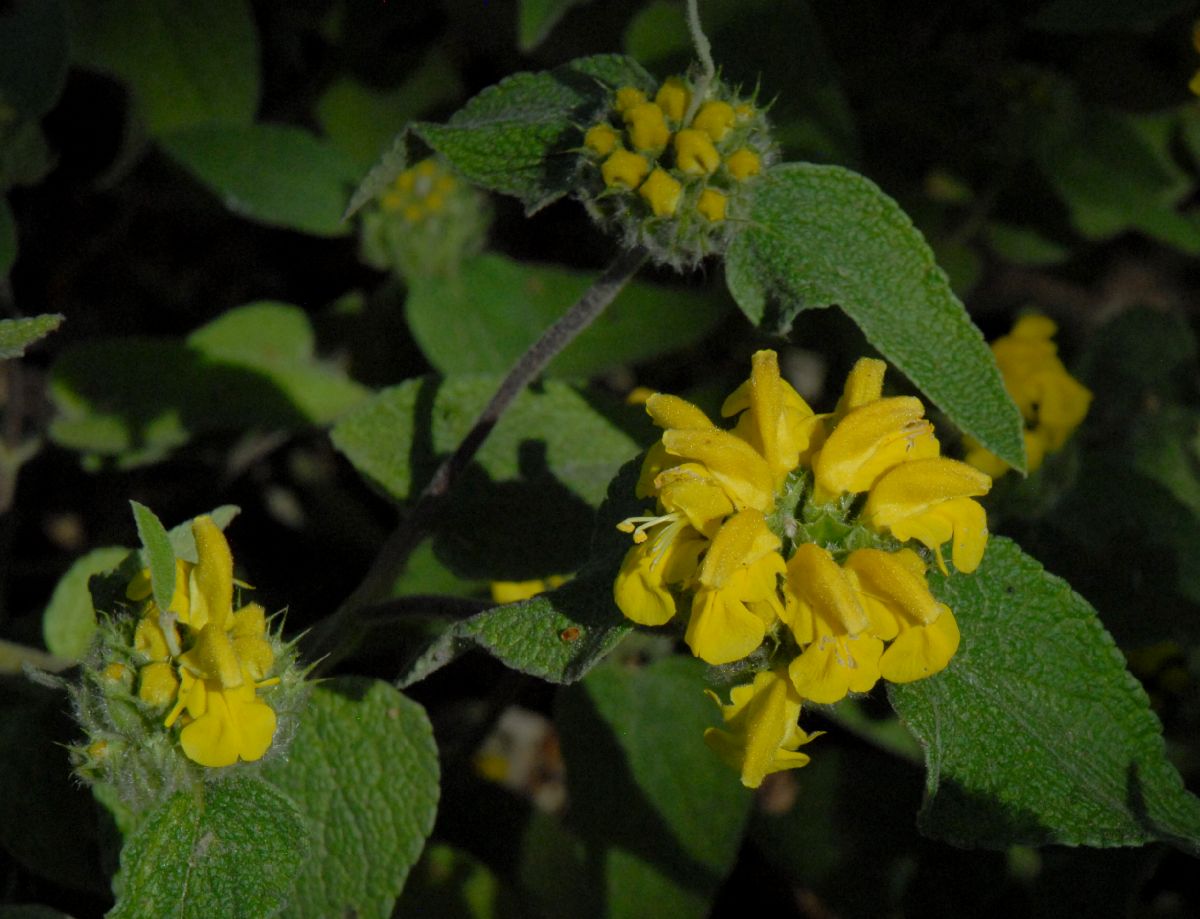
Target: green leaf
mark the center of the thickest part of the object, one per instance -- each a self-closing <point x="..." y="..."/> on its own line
<point x="158" y="554"/>
<point x="70" y="619"/>
<point x="535" y="19"/>
<point x="483" y="319"/>
<point x="30" y="911"/>
<point x="33" y="56"/>
<point x="823" y="235"/>
<point x="545" y="467"/>
<point x="397" y="439"/>
<point x="1023" y="245"/>
<point x="8" y="239"/>
<point x="228" y="848"/>
<point x="186" y="63"/>
<point x="252" y="368"/>
<point x="1036" y="734"/>
<point x="18" y="334"/>
<point x="361" y="121"/>
<point x="271" y="173"/>
<point x="512" y="136"/>
<point x="664" y="814"/>
<point x="363" y="769"/>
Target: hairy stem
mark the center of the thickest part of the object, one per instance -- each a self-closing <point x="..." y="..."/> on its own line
<point x="334" y="638"/>
<point x="704" y="54"/>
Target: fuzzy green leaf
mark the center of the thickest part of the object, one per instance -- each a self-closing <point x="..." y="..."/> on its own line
<point x="823" y="235"/>
<point x="157" y="553"/>
<point x="70" y="619"/>
<point x="18" y="334"/>
<point x="272" y="173"/>
<point x="513" y="137"/>
<point x="638" y="768"/>
<point x="1036" y="733"/>
<point x="363" y="769"/>
<point x="482" y="320"/>
<point x="187" y="63"/>
<point x="229" y="848"/>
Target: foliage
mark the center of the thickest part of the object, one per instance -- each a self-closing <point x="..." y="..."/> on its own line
<point x="338" y="271"/>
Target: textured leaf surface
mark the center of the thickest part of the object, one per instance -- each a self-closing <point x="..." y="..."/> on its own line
<point x="157" y="553"/>
<point x="646" y="791"/>
<point x="823" y="235"/>
<point x="512" y="137"/>
<point x="229" y="848"/>
<point x="1036" y="733"/>
<point x="556" y="636"/>
<point x="363" y="769"/>
<point x="70" y="620"/>
<point x="138" y="398"/>
<point x="18" y="334"/>
<point x="482" y="320"/>
<point x="187" y="63"/>
<point x="272" y="173"/>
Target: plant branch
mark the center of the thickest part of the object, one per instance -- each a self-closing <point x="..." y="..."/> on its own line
<point x="329" y="637"/>
<point x="704" y="53"/>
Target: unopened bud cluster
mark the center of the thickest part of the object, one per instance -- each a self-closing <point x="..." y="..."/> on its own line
<point x="672" y="172"/>
<point x="425" y="223"/>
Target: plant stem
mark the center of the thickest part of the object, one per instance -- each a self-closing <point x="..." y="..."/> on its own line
<point x="334" y="638"/>
<point x="704" y="54"/>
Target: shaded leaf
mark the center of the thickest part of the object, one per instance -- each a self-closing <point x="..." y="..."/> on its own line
<point x="1036" y="733"/>
<point x="822" y="235"/>
<point x="187" y="63"/>
<point x="70" y="620"/>
<point x="33" y="57"/>
<point x="271" y="173"/>
<point x="483" y="319"/>
<point x="535" y="19"/>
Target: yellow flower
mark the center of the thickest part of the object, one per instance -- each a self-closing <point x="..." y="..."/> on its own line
<point x="714" y="118"/>
<point x="647" y="127"/>
<point x="826" y="616"/>
<point x="673" y="98"/>
<point x="738" y="596"/>
<point x="600" y="139"/>
<point x="779" y="423"/>
<point x="516" y="591"/>
<point x="761" y="735"/>
<point x="695" y="154"/>
<point x="661" y="192"/>
<point x="868" y="441"/>
<point x="624" y="168"/>
<point x="654" y="569"/>
<point x="1052" y="402"/>
<point x="896" y="597"/>
<point x="711" y="205"/>
<point x="930" y="500"/>
<point x="627" y="98"/>
<point x="227" y="723"/>
<point x="743" y="163"/>
<point x="157" y="684"/>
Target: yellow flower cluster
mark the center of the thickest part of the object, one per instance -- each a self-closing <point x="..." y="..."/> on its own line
<point x="675" y="158"/>
<point x="1052" y="402"/>
<point x="788" y="529"/>
<point x="419" y="192"/>
<point x="204" y="661"/>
